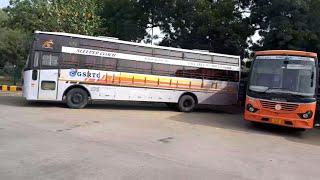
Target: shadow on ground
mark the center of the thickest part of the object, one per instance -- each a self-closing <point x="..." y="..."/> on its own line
<point x="222" y="117"/>
<point x="118" y="105"/>
<point x="115" y="105"/>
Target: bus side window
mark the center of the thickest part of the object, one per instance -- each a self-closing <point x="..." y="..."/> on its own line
<point x="143" y="67"/>
<point x="127" y="66"/>
<point x="160" y="69"/>
<point x="191" y="72"/>
<point x="49" y="60"/>
<point x="70" y="60"/>
<point x="109" y="63"/>
<point x="36" y="59"/>
<point x="90" y="62"/>
<point x="176" y="70"/>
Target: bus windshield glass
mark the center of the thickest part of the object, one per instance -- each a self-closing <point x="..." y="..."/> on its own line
<point x="284" y="75"/>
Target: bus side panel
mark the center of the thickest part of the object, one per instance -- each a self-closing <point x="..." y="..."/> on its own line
<point x="143" y="94"/>
<point x="30" y="87"/>
<point x="212" y="92"/>
<point x="218" y="98"/>
<point x="99" y="92"/>
<point x="226" y="94"/>
<point x="64" y="85"/>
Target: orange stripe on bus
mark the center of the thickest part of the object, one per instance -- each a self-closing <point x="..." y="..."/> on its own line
<point x="146" y="85"/>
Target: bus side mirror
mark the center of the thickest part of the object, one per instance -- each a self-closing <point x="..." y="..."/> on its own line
<point x="34" y="74"/>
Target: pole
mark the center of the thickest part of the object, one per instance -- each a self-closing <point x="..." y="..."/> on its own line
<point x="14" y="75"/>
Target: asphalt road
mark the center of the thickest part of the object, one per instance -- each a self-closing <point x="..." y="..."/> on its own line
<point x="147" y="141"/>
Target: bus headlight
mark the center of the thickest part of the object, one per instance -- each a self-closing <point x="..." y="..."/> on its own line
<point x="250" y="108"/>
<point x="306" y="115"/>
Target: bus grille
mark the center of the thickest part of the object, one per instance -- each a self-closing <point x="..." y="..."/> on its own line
<point x="284" y="106"/>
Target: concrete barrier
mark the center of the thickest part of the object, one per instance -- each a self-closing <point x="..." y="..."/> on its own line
<point x="10" y="88"/>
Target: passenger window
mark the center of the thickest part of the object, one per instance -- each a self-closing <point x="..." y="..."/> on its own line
<point x="143" y="67"/>
<point x="48" y="85"/>
<point x="191" y="72"/>
<point x="127" y="66"/>
<point x="161" y="69"/>
<point x="50" y="60"/>
<point x="70" y="60"/>
<point x="36" y="59"/>
<point x="109" y="63"/>
<point x="176" y="70"/>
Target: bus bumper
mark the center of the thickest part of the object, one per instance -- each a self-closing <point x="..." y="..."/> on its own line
<point x="265" y="112"/>
<point x="294" y="123"/>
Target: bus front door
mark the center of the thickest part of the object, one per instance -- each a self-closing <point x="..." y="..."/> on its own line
<point x="48" y="76"/>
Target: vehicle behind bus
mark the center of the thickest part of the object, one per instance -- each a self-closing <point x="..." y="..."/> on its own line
<point x="282" y="88"/>
<point x="79" y="69"/>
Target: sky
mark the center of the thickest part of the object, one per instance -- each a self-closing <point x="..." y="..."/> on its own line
<point x="4" y="3"/>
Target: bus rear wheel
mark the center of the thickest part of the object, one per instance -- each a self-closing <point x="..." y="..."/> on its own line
<point x="186" y="103"/>
<point x="77" y="98"/>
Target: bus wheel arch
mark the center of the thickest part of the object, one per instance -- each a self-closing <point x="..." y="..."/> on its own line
<point x="75" y="92"/>
<point x="187" y="102"/>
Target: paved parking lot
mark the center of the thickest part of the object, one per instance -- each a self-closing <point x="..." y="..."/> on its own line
<point x="146" y="141"/>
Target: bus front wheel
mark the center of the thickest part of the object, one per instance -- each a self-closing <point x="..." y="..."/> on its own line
<point x="77" y="98"/>
<point x="186" y="103"/>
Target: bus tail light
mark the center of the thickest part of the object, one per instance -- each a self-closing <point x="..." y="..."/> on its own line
<point x="252" y="109"/>
<point x="306" y="115"/>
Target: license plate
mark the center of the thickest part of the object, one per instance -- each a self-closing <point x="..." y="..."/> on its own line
<point x="276" y="121"/>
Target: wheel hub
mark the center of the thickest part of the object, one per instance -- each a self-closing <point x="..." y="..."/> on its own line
<point x="77" y="98"/>
<point x="187" y="103"/>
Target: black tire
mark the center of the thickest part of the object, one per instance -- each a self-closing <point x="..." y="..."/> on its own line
<point x="186" y="103"/>
<point x="77" y="98"/>
<point x="171" y="105"/>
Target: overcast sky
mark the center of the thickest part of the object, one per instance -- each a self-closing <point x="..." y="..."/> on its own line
<point x="4" y="3"/>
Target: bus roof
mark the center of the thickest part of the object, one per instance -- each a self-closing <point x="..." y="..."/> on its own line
<point x="286" y="52"/>
<point x="133" y="43"/>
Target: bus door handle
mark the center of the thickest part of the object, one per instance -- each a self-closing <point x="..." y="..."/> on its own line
<point x="34" y="74"/>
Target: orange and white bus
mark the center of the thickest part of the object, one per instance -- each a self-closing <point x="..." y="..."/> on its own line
<point x="81" y="69"/>
<point x="282" y="88"/>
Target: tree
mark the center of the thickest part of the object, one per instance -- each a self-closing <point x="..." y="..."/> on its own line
<point x="287" y="24"/>
<point x="23" y="17"/>
<point x="217" y="26"/>
<point x="73" y="16"/>
<point x="123" y="19"/>
<point x="13" y="44"/>
<point x="134" y="20"/>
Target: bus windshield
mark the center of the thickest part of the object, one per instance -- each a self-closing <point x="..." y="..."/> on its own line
<point x="284" y="75"/>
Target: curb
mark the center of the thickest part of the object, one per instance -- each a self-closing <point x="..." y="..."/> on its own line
<point x="10" y="88"/>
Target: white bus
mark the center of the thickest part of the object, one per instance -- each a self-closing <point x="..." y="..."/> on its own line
<point x="78" y="70"/>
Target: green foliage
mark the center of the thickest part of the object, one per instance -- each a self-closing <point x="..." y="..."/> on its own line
<point x="123" y="19"/>
<point x="23" y="17"/>
<point x="13" y="43"/>
<point x="13" y="46"/>
<point x="248" y="64"/>
<point x="216" y="26"/>
<point x="3" y="18"/>
<point x="73" y="16"/>
<point x="287" y="24"/>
